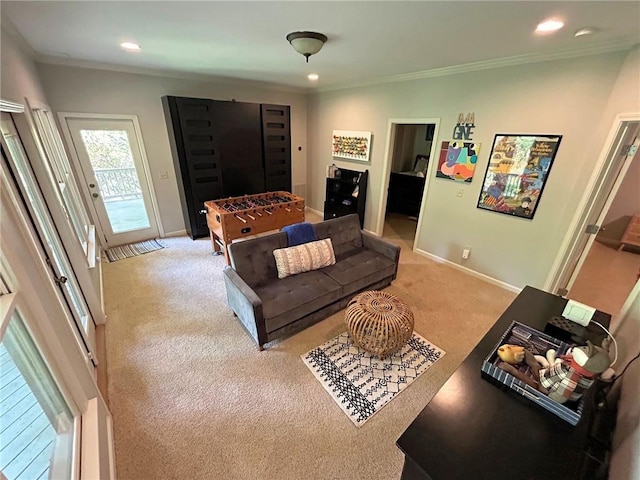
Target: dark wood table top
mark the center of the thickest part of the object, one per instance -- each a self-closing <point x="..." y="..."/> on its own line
<point x="472" y="428"/>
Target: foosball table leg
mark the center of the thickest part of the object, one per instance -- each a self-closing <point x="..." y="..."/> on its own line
<point x="214" y="245"/>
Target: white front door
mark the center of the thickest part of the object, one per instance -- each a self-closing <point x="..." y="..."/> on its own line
<point x="118" y="186"/>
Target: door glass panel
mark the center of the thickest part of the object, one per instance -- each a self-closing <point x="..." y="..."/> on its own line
<point x="48" y="234"/>
<point x="36" y="423"/>
<point x="60" y="169"/>
<point x="112" y="161"/>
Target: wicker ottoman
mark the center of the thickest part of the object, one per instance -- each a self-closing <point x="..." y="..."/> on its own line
<point x="379" y="323"/>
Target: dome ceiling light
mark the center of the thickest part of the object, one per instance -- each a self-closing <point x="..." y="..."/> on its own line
<point x="306" y="43"/>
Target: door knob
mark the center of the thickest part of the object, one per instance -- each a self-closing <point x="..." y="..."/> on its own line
<point x="94" y="195"/>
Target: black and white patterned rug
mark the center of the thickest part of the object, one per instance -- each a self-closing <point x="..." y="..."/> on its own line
<point x="361" y="383"/>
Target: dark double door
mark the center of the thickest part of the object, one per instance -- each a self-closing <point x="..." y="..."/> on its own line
<point x="225" y="149"/>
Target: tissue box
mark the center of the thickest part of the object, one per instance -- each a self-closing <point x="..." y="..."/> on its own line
<point x="538" y="343"/>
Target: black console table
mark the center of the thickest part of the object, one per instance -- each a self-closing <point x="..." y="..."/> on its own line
<point x="474" y="429"/>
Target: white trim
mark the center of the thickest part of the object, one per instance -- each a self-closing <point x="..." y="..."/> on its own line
<point x="157" y="72"/>
<point x="556" y="54"/>
<point x="620" y="317"/>
<point x="316" y="212"/>
<point x="11" y="107"/>
<point x="7" y="306"/>
<point x="577" y="226"/>
<point x="473" y="273"/>
<point x="91" y="247"/>
<point x="111" y="443"/>
<point x="386" y="170"/>
<point x="176" y="233"/>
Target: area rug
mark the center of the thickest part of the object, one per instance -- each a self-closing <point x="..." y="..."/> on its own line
<point x="361" y="383"/>
<point x="125" y="251"/>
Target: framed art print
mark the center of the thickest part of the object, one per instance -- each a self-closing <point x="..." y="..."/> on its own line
<point x="517" y="172"/>
<point x="352" y="145"/>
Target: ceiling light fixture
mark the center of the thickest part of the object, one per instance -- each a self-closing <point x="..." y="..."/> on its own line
<point x="549" y="26"/>
<point x="313" y="76"/>
<point x="585" y="31"/>
<point x="306" y="43"/>
<point x="130" y="46"/>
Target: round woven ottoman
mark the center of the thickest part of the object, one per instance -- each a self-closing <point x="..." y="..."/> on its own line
<point x="379" y="323"/>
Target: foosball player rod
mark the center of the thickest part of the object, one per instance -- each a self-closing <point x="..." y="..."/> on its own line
<point x="239" y="218"/>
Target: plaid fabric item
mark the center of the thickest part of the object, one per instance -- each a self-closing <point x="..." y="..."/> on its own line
<point x="564" y="381"/>
<point x="305" y="257"/>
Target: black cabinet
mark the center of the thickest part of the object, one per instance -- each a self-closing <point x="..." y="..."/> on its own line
<point x="226" y="149"/>
<point x="346" y="194"/>
<point x="405" y="194"/>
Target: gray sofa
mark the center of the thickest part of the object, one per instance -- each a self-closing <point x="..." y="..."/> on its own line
<point x="270" y="307"/>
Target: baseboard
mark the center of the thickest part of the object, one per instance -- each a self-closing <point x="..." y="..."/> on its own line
<point x="316" y="212"/>
<point x="479" y="275"/>
<point x="177" y="233"/>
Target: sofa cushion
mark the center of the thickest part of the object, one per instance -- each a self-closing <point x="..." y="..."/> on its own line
<point x="360" y="269"/>
<point x="291" y="298"/>
<point x="253" y="259"/>
<point x="344" y="233"/>
<point x="303" y="258"/>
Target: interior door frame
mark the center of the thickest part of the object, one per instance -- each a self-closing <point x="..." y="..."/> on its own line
<point x="63" y="116"/>
<point x="386" y="170"/>
<point x="571" y="242"/>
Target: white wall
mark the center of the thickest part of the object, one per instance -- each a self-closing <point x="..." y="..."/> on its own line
<point x="627" y="200"/>
<point x="84" y="90"/>
<point x="558" y="97"/>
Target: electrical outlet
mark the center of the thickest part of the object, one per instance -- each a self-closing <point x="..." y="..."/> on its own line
<point x="459" y="192"/>
<point x="466" y="252"/>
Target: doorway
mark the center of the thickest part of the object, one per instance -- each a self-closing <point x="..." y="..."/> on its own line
<point x="410" y="147"/>
<point x="598" y="270"/>
<point x="116" y="177"/>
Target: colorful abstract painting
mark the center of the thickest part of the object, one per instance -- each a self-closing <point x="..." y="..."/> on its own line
<point x="458" y="160"/>
<point x="517" y="172"/>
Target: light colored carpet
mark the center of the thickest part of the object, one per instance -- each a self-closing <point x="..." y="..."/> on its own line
<point x="193" y="398"/>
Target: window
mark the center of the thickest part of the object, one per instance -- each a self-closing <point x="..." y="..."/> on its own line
<point x="62" y="174"/>
<point x="36" y="424"/>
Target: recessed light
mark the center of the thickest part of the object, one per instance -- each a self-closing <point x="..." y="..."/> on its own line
<point x="585" y="31"/>
<point x="131" y="47"/>
<point x="313" y="76"/>
<point x="549" y="26"/>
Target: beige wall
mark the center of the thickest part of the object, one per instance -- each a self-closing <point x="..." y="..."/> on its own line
<point x="565" y="97"/>
<point x="83" y="90"/>
<point x="19" y="77"/>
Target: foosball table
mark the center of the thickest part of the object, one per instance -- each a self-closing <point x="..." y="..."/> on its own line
<point x="233" y="218"/>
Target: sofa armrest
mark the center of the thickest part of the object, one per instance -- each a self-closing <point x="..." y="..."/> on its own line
<point x="382" y="247"/>
<point x="245" y="304"/>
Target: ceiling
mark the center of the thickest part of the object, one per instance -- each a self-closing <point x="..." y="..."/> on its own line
<point x="369" y="41"/>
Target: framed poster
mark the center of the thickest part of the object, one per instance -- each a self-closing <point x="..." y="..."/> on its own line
<point x="351" y="145"/>
<point x="517" y="172"/>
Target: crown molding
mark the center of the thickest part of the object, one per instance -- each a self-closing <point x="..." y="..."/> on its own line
<point x="559" y="54"/>
<point x="177" y="74"/>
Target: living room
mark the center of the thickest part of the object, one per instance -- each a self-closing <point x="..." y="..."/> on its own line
<point x="576" y="94"/>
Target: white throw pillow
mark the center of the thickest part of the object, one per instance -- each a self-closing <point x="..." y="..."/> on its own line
<point x="305" y="257"/>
